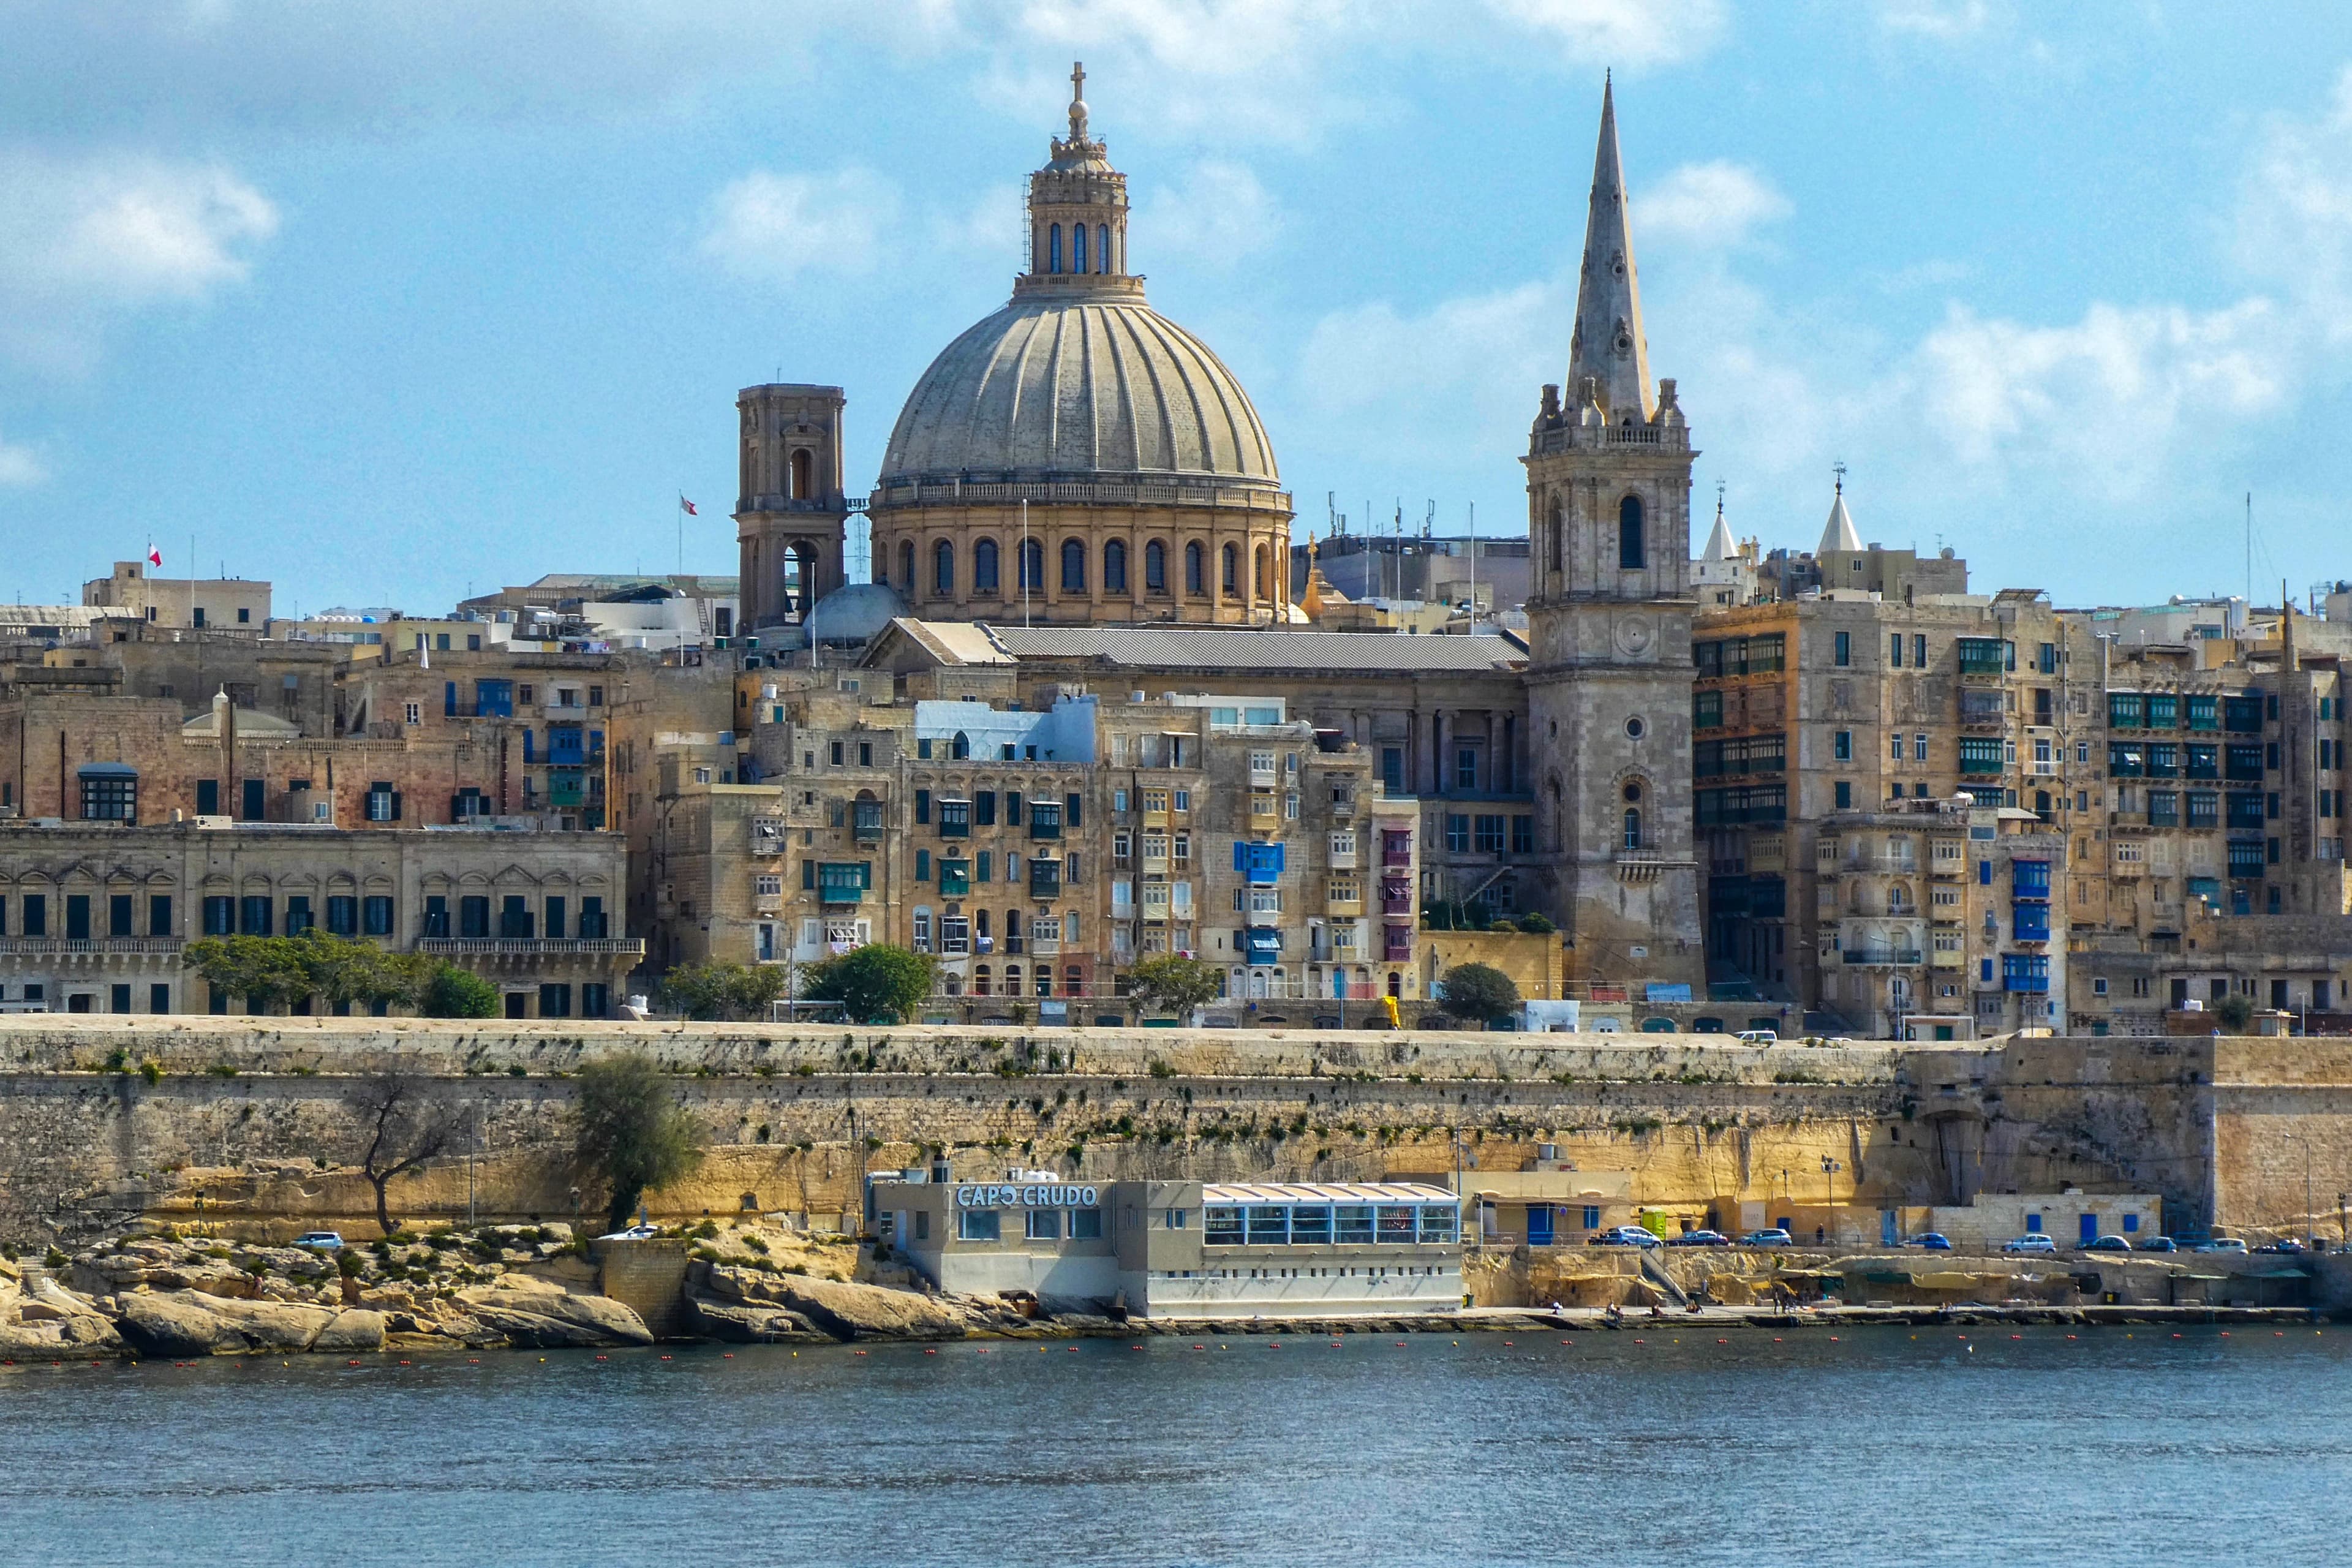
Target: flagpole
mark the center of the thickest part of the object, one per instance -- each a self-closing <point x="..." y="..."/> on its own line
<point x="1024" y="567"/>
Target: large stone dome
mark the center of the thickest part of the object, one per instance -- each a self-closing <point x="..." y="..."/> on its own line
<point x="1088" y="383"/>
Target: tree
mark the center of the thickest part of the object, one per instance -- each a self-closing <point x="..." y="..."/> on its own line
<point x="268" y="972"/>
<point x="350" y="971"/>
<point x="403" y="1124"/>
<point x="629" y="1133"/>
<point x="876" y="983"/>
<point x="2234" y="1012"/>
<point x="721" y="990"/>
<point x="1480" y="991"/>
<point x="449" y="992"/>
<point x="1172" y="983"/>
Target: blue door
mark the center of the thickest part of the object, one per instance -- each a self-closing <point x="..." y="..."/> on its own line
<point x="1539" y="1225"/>
<point x="2090" y="1228"/>
<point x="1887" y="1228"/>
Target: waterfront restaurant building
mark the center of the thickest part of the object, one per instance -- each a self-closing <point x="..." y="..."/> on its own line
<point x="1180" y="1250"/>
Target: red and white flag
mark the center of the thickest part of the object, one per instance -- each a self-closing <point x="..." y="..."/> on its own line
<point x="154" y="556"/>
<point x="686" y="507"/>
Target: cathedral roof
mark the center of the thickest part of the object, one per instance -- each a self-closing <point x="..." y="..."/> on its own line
<point x="1079" y="387"/>
<point x="1077" y="379"/>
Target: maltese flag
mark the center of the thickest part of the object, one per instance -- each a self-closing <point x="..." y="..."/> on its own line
<point x="154" y="556"/>
<point x="686" y="507"/>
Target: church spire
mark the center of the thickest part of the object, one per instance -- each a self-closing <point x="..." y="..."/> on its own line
<point x="1078" y="213"/>
<point x="1609" y="348"/>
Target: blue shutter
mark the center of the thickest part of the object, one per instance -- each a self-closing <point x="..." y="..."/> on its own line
<point x="1241" y="855"/>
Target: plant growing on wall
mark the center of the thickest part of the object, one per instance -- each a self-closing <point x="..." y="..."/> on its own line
<point x="875" y="983"/>
<point x="1172" y="983"/>
<point x="1478" y="992"/>
<point x="403" y="1124"/>
<point x="629" y="1133"/>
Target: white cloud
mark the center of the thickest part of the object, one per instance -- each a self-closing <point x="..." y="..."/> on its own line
<point x="19" y="466"/>
<point x="1707" y="205"/>
<point x="1217" y="215"/>
<point x="773" y="227"/>
<point x="2102" y="403"/>
<point x="84" y="240"/>
<point x="1946" y="21"/>
<point x="1461" y="377"/>
<point x="1611" y="32"/>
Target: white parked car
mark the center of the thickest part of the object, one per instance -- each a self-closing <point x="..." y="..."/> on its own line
<point x="2032" y="1241"/>
<point x="634" y="1232"/>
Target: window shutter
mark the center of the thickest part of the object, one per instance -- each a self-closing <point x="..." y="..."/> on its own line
<point x="395" y="805"/>
<point x="808" y="875"/>
<point x="1241" y="855"/>
<point x="1071" y="819"/>
<point x="1012" y="808"/>
<point x="922" y="805"/>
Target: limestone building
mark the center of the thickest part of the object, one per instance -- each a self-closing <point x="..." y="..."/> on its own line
<point x="1609" y="624"/>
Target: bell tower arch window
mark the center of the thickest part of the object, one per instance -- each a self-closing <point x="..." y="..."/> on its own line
<point x="1102" y="248"/>
<point x="1077" y="247"/>
<point x="1633" y="553"/>
<point x="803" y="474"/>
<point x="1552" y="540"/>
<point x="1053" y="248"/>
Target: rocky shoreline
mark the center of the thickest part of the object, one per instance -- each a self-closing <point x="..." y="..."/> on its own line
<point x="535" y="1288"/>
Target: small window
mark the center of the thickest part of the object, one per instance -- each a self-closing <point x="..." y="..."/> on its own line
<point x="978" y="1225"/>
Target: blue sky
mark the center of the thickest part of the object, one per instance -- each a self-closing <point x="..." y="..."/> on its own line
<point x="387" y="303"/>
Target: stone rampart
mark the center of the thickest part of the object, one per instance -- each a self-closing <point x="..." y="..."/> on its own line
<point x="243" y="1122"/>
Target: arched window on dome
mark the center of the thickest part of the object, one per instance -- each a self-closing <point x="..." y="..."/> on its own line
<point x="1196" y="570"/>
<point x="1114" y="566"/>
<point x="1053" y="248"/>
<point x="1265" y="575"/>
<point x="1077" y="247"/>
<point x="803" y="474"/>
<point x="907" y="568"/>
<point x="1102" y="248"/>
<point x="1155" y="567"/>
<point x="943" y="569"/>
<point x="984" y="566"/>
<point x="1073" y="566"/>
<point x="1632" y="553"/>
<point x="1232" y="572"/>
<point x="1033" y="566"/>
<point x="1553" y="547"/>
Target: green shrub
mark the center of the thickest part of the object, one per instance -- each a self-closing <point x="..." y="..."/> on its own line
<point x="450" y="992"/>
<point x="1536" y="924"/>
<point x="348" y="1264"/>
<point x="151" y="1071"/>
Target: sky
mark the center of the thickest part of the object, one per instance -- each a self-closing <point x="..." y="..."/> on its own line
<point x="394" y="303"/>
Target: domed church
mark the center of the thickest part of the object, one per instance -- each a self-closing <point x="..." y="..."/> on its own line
<point x="1074" y="459"/>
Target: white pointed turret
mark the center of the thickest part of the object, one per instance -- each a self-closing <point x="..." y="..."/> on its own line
<point x="1608" y="346"/>
<point x="1840" y="533"/>
<point x="1719" y="545"/>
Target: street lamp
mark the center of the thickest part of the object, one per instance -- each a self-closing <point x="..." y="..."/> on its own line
<point x="1830" y="1168"/>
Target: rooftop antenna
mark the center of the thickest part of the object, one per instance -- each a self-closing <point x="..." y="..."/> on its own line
<point x="1474" y="565"/>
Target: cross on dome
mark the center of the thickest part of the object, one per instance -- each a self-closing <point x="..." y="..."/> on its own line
<point x="1077" y="100"/>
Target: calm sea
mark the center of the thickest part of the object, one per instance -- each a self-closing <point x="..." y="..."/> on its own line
<point x="2114" y="1448"/>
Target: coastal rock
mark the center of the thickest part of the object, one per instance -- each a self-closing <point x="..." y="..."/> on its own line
<point x="353" y="1328"/>
<point x="174" y="1325"/>
<point x="273" y="1325"/>
<point x="738" y="1324"/>
<point x="847" y="1310"/>
<point x="541" y="1314"/>
<point x="58" y="1340"/>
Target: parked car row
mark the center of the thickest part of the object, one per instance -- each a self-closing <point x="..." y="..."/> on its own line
<point x="1934" y="1241"/>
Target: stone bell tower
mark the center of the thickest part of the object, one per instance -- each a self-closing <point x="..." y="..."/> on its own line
<point x="791" y="516"/>
<point x="1609" y="622"/>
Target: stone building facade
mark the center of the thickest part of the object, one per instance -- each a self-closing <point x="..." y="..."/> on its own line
<point x="94" y="915"/>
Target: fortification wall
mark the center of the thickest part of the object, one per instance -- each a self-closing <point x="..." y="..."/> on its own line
<point x="243" y="1122"/>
